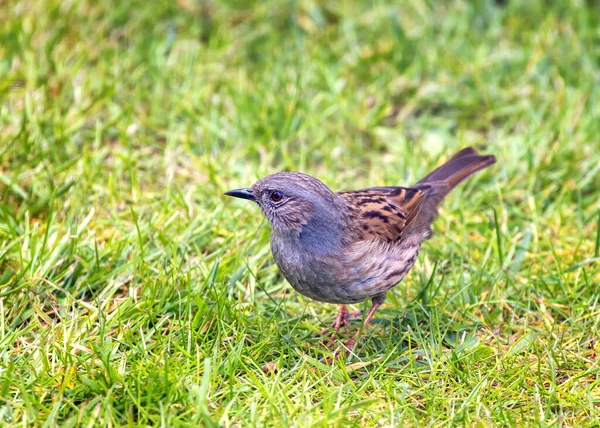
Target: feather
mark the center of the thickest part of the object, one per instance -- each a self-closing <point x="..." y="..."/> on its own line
<point x="383" y="213"/>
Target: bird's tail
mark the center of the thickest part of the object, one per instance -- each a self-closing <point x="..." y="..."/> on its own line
<point x="446" y="177"/>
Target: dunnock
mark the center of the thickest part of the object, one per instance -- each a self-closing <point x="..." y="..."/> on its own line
<point x="345" y="247"/>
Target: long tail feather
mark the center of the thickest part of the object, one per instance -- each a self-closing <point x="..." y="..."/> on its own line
<point x="446" y="177"/>
<point x="460" y="167"/>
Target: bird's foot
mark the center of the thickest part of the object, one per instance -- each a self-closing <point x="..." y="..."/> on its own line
<point x="347" y="350"/>
<point x="350" y="345"/>
<point x="341" y="320"/>
<point x="344" y="351"/>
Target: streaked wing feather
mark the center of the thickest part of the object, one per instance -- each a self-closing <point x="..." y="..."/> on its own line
<point x="384" y="212"/>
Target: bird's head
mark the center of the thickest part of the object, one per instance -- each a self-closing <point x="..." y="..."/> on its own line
<point x="291" y="200"/>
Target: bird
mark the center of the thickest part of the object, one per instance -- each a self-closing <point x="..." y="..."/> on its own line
<point x="348" y="246"/>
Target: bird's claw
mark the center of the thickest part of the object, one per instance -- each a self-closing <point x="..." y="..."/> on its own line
<point x="344" y="351"/>
<point x="341" y="320"/>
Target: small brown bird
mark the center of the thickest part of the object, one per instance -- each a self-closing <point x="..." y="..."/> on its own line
<point x="348" y="246"/>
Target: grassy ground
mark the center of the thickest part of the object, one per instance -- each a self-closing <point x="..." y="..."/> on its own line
<point x="133" y="292"/>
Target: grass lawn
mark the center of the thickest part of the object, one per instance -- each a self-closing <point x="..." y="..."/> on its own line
<point x="133" y="292"/>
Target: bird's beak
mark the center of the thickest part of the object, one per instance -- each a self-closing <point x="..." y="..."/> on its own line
<point x="242" y="193"/>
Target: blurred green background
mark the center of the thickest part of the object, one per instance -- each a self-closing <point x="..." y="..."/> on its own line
<point x="133" y="292"/>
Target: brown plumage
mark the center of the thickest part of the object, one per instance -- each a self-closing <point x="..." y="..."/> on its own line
<point x="348" y="246"/>
<point x="388" y="210"/>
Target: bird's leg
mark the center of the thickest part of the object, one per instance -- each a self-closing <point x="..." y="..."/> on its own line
<point x="376" y="302"/>
<point x="340" y="320"/>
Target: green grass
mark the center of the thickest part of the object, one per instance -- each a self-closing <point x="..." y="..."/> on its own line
<point x="133" y="292"/>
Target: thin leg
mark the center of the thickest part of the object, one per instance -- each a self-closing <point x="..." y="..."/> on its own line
<point x="340" y="320"/>
<point x="376" y="301"/>
<point x="372" y="311"/>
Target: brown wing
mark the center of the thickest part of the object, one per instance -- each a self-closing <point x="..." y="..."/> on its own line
<point x="384" y="212"/>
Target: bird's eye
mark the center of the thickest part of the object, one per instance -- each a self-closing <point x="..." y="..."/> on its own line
<point x="276" y="196"/>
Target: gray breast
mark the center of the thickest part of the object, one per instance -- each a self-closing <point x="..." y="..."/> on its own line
<point x="350" y="276"/>
<point x="318" y="274"/>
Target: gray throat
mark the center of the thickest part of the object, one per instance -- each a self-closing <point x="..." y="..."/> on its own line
<point x="322" y="235"/>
